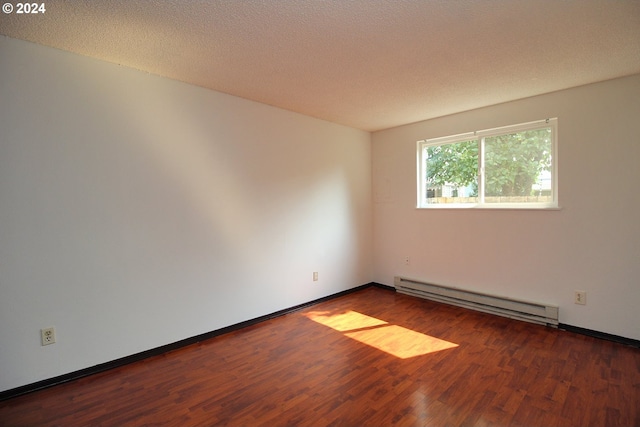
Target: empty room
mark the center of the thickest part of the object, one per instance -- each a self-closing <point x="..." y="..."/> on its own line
<point x="315" y="213"/>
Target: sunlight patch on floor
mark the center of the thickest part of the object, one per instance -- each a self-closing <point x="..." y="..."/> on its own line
<point x="393" y="339"/>
<point x="347" y="321"/>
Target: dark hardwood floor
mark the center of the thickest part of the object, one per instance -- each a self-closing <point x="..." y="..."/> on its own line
<point x="370" y="358"/>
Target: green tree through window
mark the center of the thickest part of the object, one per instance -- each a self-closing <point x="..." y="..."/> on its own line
<point x="509" y="165"/>
<point x="514" y="162"/>
<point x="455" y="164"/>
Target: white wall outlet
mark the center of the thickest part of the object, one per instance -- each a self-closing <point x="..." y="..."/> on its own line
<point x="580" y="297"/>
<point x="48" y="335"/>
<point x="407" y="260"/>
<point x="315" y="276"/>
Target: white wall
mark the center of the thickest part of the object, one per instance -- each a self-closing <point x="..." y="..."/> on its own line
<point x="592" y="243"/>
<point x="136" y="211"/>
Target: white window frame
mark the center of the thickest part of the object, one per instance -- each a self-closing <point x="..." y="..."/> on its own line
<point x="480" y="137"/>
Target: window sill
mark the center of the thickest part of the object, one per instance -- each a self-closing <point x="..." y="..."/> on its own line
<point x="537" y="207"/>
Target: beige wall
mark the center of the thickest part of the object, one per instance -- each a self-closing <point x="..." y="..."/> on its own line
<point x="137" y="211"/>
<point x="592" y="243"/>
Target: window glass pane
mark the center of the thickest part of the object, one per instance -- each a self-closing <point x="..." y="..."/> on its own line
<point x="518" y="166"/>
<point x="451" y="173"/>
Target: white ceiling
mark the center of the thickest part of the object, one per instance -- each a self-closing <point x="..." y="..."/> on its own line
<point x="369" y="64"/>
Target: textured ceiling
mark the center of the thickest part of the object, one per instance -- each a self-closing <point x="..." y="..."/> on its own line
<point x="369" y="64"/>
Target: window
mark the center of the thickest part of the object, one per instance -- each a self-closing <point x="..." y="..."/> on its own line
<point x="508" y="167"/>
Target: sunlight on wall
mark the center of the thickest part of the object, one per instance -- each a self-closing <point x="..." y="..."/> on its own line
<point x="182" y="148"/>
<point x="206" y="163"/>
<point x="393" y="339"/>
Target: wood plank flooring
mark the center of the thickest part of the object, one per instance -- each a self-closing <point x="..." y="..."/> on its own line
<point x="370" y="358"/>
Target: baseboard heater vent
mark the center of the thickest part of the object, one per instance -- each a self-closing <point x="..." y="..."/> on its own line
<point x="515" y="309"/>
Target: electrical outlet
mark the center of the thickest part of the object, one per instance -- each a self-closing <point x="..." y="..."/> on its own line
<point x="580" y="297"/>
<point x="315" y="276"/>
<point x="407" y="260"/>
<point x="48" y="335"/>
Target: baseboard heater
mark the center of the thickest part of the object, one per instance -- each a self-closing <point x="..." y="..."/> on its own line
<point x="514" y="309"/>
